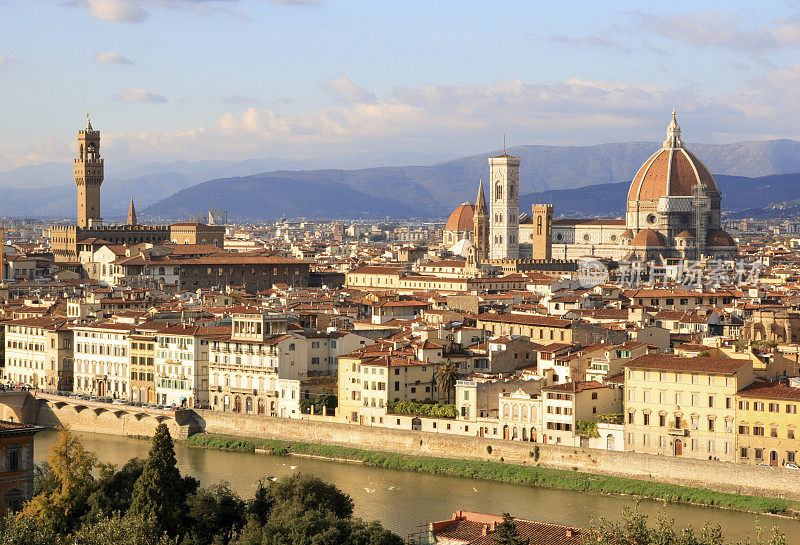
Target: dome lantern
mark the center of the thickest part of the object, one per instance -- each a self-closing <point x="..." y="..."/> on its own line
<point x="673" y="134"/>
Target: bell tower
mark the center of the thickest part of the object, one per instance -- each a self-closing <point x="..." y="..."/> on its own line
<point x="504" y="211"/>
<point x="88" y="174"/>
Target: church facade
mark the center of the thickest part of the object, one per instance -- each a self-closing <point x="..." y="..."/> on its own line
<point x="673" y="211"/>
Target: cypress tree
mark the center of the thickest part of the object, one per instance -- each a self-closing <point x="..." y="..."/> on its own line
<point x="158" y="493"/>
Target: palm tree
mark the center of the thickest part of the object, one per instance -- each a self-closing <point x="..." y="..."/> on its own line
<point x="446" y="376"/>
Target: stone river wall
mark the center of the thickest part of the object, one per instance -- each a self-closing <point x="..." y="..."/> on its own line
<point x="722" y="476"/>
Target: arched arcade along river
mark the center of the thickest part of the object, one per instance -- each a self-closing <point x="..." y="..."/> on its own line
<point x="403" y="500"/>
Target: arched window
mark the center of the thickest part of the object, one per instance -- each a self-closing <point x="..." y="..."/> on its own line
<point x="539" y="225"/>
<point x="498" y="191"/>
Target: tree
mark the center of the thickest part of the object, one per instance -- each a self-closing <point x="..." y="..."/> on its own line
<point x="446" y="376"/>
<point x="587" y="428"/>
<point x="114" y="490"/>
<point x="65" y="487"/>
<point x="307" y="492"/>
<point x="326" y="399"/>
<point x="506" y="533"/>
<point x="296" y="526"/>
<point x="632" y="529"/>
<point x="215" y="513"/>
<point x="25" y="530"/>
<point x="158" y="492"/>
<point x="119" y="530"/>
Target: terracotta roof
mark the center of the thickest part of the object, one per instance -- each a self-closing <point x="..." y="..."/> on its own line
<point x="461" y="219"/>
<point x="684" y="234"/>
<point x="479" y="529"/>
<point x="718" y="237"/>
<point x="648" y="238"/>
<point x="771" y="390"/>
<point x="524" y="319"/>
<point x="666" y="362"/>
<point x="579" y="386"/>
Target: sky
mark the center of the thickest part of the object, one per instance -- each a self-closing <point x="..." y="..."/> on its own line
<point x="168" y="80"/>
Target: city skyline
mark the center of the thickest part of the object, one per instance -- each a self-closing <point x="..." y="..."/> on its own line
<point x="191" y="80"/>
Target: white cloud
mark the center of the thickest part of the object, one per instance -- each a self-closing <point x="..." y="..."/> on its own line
<point x="118" y="11"/>
<point x="139" y="11"/>
<point x="463" y="118"/>
<point x="723" y="29"/>
<point x="140" y="95"/>
<point x="112" y="58"/>
<point x="239" y="99"/>
<point x="346" y="91"/>
<point x="6" y="61"/>
<point x="600" y="39"/>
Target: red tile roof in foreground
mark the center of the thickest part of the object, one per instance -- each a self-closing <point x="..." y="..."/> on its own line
<point x="479" y="528"/>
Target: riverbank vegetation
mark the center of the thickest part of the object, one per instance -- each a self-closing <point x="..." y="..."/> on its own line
<point x="80" y="501"/>
<point x="498" y="471"/>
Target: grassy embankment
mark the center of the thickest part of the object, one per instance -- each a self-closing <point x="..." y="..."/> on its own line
<point x="509" y="473"/>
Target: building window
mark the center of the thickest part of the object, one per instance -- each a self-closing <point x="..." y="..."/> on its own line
<point x="13" y="460"/>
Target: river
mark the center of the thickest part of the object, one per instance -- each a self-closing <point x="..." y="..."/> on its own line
<point x="403" y="500"/>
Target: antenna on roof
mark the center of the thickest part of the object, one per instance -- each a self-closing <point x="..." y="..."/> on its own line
<point x="504" y="143"/>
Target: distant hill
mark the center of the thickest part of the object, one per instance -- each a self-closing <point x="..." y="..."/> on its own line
<point x="175" y="190"/>
<point x="739" y="193"/>
<point x="270" y="196"/>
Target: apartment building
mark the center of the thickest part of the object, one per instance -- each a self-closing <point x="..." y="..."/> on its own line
<point x="767" y="422"/>
<point x="102" y="359"/>
<point x="683" y="406"/>
<point x="540" y="329"/>
<point x="563" y="405"/>
<point x="368" y="381"/>
<point x="143" y="365"/>
<point x="38" y="352"/>
<point x="253" y="367"/>
<point x="181" y="361"/>
<point x="612" y="359"/>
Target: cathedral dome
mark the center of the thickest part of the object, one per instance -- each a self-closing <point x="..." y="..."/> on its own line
<point x="647" y="238"/>
<point x="461" y="219"/>
<point x="672" y="171"/>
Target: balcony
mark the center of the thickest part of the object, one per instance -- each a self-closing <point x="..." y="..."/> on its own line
<point x="679" y="432"/>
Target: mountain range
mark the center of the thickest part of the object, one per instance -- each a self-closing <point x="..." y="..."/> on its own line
<point x="580" y="181"/>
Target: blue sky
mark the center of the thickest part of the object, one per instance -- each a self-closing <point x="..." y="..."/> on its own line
<point x="235" y="79"/>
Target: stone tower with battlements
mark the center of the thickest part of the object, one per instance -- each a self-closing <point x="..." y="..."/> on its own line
<point x="88" y="172"/>
<point x="504" y="212"/>
<point x="541" y="234"/>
